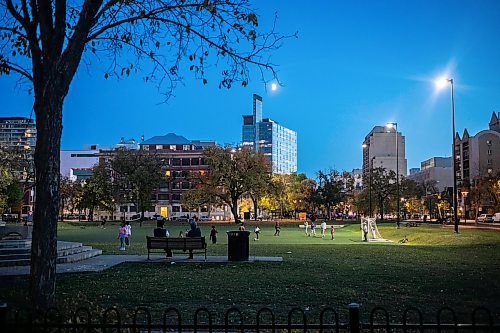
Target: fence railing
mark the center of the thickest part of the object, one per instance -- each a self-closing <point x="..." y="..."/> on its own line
<point x="111" y="320"/>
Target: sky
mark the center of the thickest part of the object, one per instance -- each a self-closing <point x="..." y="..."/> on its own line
<point x="355" y="65"/>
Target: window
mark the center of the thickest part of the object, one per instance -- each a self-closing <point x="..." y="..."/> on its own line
<point x="195" y="161"/>
<point x="203" y="162"/>
<point x="176" y="209"/>
<point x="172" y="147"/>
<point x="163" y="186"/>
<point x="162" y="196"/>
<point x="176" y="197"/>
<point x="177" y="173"/>
<point x="159" y="147"/>
<point x="186" y="147"/>
<point x="177" y="185"/>
<point x="488" y="142"/>
<point x="186" y="162"/>
<point x="133" y="209"/>
<point x="490" y="161"/>
<point x="176" y="161"/>
<point x="185" y="185"/>
<point x="490" y="151"/>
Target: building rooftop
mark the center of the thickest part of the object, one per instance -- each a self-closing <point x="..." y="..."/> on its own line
<point x="170" y="138"/>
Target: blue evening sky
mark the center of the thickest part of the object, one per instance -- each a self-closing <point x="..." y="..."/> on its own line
<point x="355" y="65"/>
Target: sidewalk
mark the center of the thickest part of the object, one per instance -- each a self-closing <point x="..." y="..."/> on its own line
<point x="103" y="262"/>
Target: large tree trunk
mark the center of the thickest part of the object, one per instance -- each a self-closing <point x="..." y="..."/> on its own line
<point x="234" y="209"/>
<point x="255" y="207"/>
<point x="44" y="243"/>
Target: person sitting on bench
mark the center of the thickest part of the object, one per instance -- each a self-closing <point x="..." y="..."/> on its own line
<point x="194" y="232"/>
<point x="159" y="231"/>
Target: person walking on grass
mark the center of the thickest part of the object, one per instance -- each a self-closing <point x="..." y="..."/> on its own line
<point x="323" y="229"/>
<point x="306" y="226"/>
<point x="257" y="233"/>
<point x="213" y="235"/>
<point x="122" y="232"/>
<point x="313" y="229"/>
<point x="332" y="232"/>
<point x="277" y="229"/>
<point x="128" y="229"/>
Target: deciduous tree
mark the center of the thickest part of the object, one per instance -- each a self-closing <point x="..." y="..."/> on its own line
<point x="45" y="41"/>
<point x="231" y="174"/>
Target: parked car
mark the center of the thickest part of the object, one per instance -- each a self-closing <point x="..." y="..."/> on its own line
<point x="485" y="218"/>
<point x="157" y="217"/>
<point x="205" y="219"/>
<point x="496" y="217"/>
<point x="9" y="217"/>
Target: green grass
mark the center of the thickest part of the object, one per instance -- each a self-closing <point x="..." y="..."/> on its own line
<point x="436" y="268"/>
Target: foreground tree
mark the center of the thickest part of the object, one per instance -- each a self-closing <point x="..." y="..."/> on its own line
<point x="44" y="42"/>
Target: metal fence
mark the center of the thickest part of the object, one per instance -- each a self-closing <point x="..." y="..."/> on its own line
<point x="110" y="320"/>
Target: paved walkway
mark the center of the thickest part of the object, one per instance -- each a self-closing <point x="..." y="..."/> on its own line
<point x="103" y="262"/>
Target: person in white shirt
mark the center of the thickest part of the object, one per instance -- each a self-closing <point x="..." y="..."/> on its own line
<point x="257" y="233"/>
<point x="306" y="226"/>
<point x="323" y="229"/>
<point x="128" y="229"/>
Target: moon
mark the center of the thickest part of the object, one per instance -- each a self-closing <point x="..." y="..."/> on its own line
<point x="274" y="87"/>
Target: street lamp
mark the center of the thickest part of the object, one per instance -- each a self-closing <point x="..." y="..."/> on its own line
<point x="464" y="196"/>
<point x="395" y="126"/>
<point x="440" y="84"/>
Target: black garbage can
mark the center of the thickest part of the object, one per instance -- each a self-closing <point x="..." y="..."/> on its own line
<point x="237" y="245"/>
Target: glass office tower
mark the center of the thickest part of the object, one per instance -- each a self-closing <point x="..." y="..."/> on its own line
<point x="277" y="142"/>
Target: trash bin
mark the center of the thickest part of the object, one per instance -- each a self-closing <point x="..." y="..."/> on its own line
<point x="237" y="245"/>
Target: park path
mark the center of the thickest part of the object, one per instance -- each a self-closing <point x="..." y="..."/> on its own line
<point x="103" y="262"/>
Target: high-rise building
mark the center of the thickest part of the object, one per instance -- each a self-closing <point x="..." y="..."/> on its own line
<point x="379" y="150"/>
<point x="478" y="155"/>
<point x="276" y="142"/>
<point x="18" y="134"/>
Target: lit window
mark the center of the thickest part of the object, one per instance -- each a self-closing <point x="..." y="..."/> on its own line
<point x="159" y="147"/>
<point x="172" y="147"/>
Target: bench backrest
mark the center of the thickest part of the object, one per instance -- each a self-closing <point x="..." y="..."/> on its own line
<point x="174" y="243"/>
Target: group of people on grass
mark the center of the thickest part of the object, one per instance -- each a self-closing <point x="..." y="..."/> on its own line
<point x="124" y="233"/>
<point x="323" y="229"/>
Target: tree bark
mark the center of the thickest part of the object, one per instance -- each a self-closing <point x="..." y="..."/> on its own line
<point x="234" y="209"/>
<point x="255" y="207"/>
<point x="48" y="109"/>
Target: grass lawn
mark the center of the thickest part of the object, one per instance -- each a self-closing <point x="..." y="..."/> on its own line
<point x="435" y="268"/>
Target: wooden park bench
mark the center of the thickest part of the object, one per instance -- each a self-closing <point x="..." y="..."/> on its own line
<point x="168" y="244"/>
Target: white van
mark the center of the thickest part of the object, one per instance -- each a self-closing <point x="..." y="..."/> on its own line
<point x="496" y="217"/>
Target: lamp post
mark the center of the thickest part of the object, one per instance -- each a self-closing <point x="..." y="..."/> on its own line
<point x="364" y="145"/>
<point x="395" y="126"/>
<point x="441" y="83"/>
<point x="464" y="196"/>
